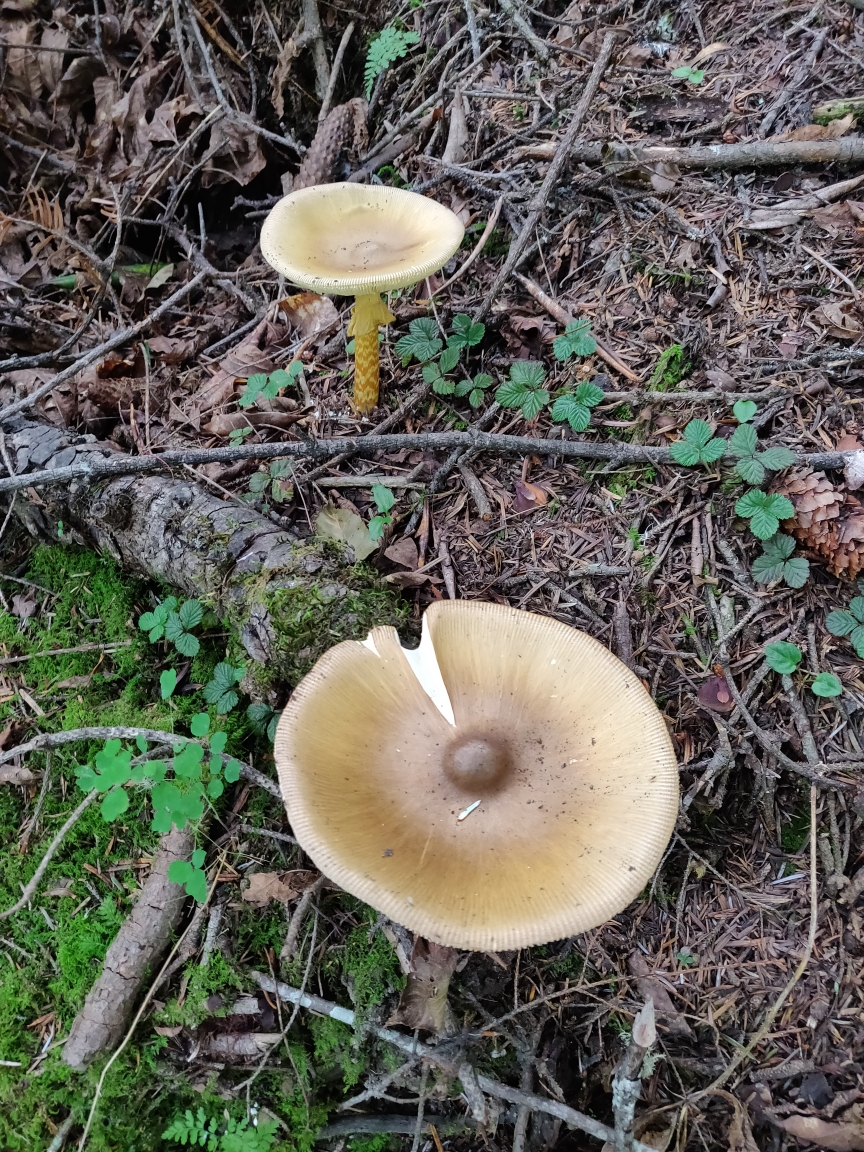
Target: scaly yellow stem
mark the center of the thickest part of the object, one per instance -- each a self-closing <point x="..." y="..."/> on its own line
<point x="369" y="312"/>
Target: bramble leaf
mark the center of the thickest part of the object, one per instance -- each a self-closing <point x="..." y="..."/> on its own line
<point x="421" y="342"/>
<point x="527" y="373"/>
<point x="449" y="358"/>
<point x="466" y="334"/>
<point x="576" y="341"/>
<point x="777" y="458"/>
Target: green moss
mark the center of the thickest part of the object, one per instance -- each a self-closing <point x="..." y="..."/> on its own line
<point x="671" y="367"/>
<point x="369" y="964"/>
<point x="334" y="1047"/>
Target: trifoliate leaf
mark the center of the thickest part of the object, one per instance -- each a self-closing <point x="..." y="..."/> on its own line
<point x="576" y="341"/>
<point x="783" y="657"/>
<point x="826" y="684"/>
<point x="443" y="387"/>
<point x="856" y="607"/>
<point x="685" y="453"/>
<point x="527" y="373"/>
<point x="568" y="408"/>
<point x="840" y="623"/>
<point x="796" y="572"/>
<point x="766" y="569"/>
<point x="187" y="644"/>
<point x="510" y="394"/>
<point x="743" y="440"/>
<point x="466" y="334"/>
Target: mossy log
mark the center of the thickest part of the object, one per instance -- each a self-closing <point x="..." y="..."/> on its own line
<point x="837" y="109"/>
<point x="287" y="599"/>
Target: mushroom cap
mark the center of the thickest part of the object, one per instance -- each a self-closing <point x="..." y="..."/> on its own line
<point x="556" y="738"/>
<point x="354" y="239"/>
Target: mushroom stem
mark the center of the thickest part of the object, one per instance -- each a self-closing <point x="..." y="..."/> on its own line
<point x="368" y="313"/>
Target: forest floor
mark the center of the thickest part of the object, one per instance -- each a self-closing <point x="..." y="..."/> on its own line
<point x="140" y="149"/>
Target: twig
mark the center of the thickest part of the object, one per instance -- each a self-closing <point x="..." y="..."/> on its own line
<point x="303" y="905"/>
<point x="474" y="439"/>
<point x="438" y="1057"/>
<point x="253" y="831"/>
<point x="33" y="882"/>
<point x="477" y="492"/>
<point x="123" y="336"/>
<point x="334" y="71"/>
<point x="62" y="1132"/>
<point x="478" y="247"/>
<point x="473" y="32"/>
<point x="24" y="842"/>
<point x="65" y="652"/>
<point x="553" y="175"/>
<point x="525" y="28"/>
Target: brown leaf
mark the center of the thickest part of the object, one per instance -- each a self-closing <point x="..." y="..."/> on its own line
<point x="279" y="886"/>
<point x="424" y="999"/>
<point x="740" y="1132"/>
<point x="76" y="83"/>
<point x="528" y="497"/>
<point x="838" y="322"/>
<point x="408" y="579"/>
<point x="22" y="65"/>
<point x="51" y="63"/>
<point x="651" y="988"/>
<point x="9" y="774"/>
<point x="644" y="1030"/>
<point x="24" y="604"/>
<point x="234" y="153"/>
<point x="831" y="131"/>
<point x="839" y="1137"/>
<point x="346" y="527"/>
<point x="310" y="313"/>
<point x="854" y="471"/>
<point x="459" y="136"/>
<point x="403" y="551"/>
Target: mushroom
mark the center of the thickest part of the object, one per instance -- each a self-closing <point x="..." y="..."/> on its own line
<point x="360" y="240"/>
<point x="507" y="783"/>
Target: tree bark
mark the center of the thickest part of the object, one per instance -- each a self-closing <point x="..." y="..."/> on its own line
<point x="288" y="599"/>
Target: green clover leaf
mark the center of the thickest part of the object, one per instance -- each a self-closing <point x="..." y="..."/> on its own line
<point x="199" y="725"/>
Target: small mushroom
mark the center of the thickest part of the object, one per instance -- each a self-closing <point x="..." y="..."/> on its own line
<point x="714" y="694"/>
<point x="507" y="783"/>
<point x="360" y="240"/>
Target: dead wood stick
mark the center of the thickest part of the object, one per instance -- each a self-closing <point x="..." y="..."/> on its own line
<point x="334" y="71"/>
<point x="303" y="905"/>
<point x="65" y="652"/>
<point x="564" y="317"/>
<point x="312" y="29"/>
<point x="553" y="175"/>
<point x="477" y="493"/>
<point x="711" y="157"/>
<point x="528" y="33"/>
<point x="473" y="439"/>
<point x="439" y="1057"/>
<point x="478" y="247"/>
<point x="122" y="336"/>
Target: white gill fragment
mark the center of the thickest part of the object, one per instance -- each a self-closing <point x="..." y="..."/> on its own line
<point x="424" y="665"/>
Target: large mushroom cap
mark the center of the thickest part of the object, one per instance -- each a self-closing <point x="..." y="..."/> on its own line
<point x="559" y="742"/>
<point x="353" y="239"/>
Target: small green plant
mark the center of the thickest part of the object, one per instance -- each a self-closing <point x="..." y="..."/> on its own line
<point x="263" y="387"/>
<point x="784" y="658"/>
<point x="764" y="510"/>
<point x="685" y="72"/>
<point x="221" y="689"/>
<point x="671" y="367"/>
<point x="698" y="445"/>
<point x="849" y="622"/>
<point x="744" y="410"/>
<point x="423" y="343"/>
<point x="752" y="465"/>
<point x="686" y="958"/>
<point x="273" y="483"/>
<point x="263" y="719"/>
<point x="778" y="563"/>
<point x="237" y="435"/>
<point x="524" y="389"/>
<point x="575" y="407"/>
<point x="236" y="1135"/>
<point x="191" y="876"/>
<point x="474" y="389"/>
<point x="576" y="341"/>
<point x="167" y="683"/>
<point x="384" y="501"/>
<point x="174" y="622"/>
<point x="390" y="45"/>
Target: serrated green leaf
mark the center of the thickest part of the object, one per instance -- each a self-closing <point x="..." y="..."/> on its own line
<point x="776" y="459"/>
<point x="744" y="410"/>
<point x="173" y="627"/>
<point x="796" y="572"/>
<point x="588" y="394"/>
<point x="191" y="614"/>
<point x="766" y="569"/>
<point x="199" y="725"/>
<point x="167" y="682"/>
<point x="713" y="450"/>
<point x="779" y="506"/>
<point x="430" y="372"/>
<point x="226" y="702"/>
<point x="443" y="387"/>
<point x="422" y="341"/>
<point x="527" y="373"/>
<point x="149" y="621"/>
<point x="856" y="639"/>
<point x="510" y="394"/>
<point x="449" y="358"/>
<point x="115" y="804"/>
<point x="187" y="644"/>
<point x="743" y="440"/>
<point x="763" y="524"/>
<point x="779" y="546"/>
<point x="750" y="503"/>
<point x="568" y="408"/>
<point x="749" y="468"/>
<point x="840" y="622"/>
<point x="783" y="657"/>
<point x="682" y="452"/>
<point x="698" y="432"/>
<point x="856" y="607"/>
<point x="534" y="401"/>
<point x="826" y="684"/>
<point x="463" y="388"/>
<point x="475" y="397"/>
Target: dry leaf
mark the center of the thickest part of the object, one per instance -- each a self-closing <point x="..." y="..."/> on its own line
<point x="832" y="131"/>
<point x="51" y="63"/>
<point x="346" y="527"/>
<point x="651" y="988"/>
<point x="310" y="313"/>
<point x="839" y="323"/>
<point x="279" y="886"/>
<point x="459" y="136"/>
<point x="159" y="278"/>
<point x="528" y="497"/>
<point x="403" y="551"/>
<point x="24" y="604"/>
<point x="424" y="999"/>
<point x="22" y="65"/>
<point x="854" y="471"/>
<point x="234" y="153"/>
<point x="848" y="443"/>
<point x="9" y="774"/>
<point x="644" y="1029"/>
<point x="834" y="1137"/>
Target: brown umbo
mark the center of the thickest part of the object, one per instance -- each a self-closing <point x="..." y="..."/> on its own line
<point x="507" y="783"/>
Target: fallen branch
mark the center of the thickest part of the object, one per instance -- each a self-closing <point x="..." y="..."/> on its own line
<point x="130" y="957"/>
<point x="438" y="1057"/>
<point x="708" y="157"/>
<point x="92" y="467"/>
<point x="106" y="648"/>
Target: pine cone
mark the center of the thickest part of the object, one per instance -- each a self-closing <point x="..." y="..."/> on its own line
<point x="343" y="130"/>
<point x="827" y="519"/>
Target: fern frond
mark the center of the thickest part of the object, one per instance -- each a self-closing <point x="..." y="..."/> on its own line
<point x="389" y="45"/>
